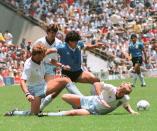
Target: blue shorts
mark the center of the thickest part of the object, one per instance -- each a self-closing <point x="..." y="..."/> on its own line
<point x="38" y="90"/>
<point x="49" y="69"/>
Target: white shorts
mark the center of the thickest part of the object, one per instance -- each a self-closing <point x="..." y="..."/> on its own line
<point x="49" y="69"/>
<point x="38" y="90"/>
<point x="93" y="105"/>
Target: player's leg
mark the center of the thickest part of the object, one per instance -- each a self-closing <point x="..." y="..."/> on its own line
<point x="35" y="104"/>
<point x="74" y="112"/>
<point x="73" y="77"/>
<point x="87" y="77"/>
<point x="55" y="86"/>
<point x="134" y="70"/>
<point x="138" y="71"/>
<point x="49" y="76"/>
<point x="58" y="84"/>
<point x="17" y="112"/>
<point x="72" y="99"/>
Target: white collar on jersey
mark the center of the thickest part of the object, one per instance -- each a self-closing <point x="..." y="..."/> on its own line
<point x="71" y="48"/>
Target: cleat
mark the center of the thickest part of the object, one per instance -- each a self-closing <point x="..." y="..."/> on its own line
<point x="42" y="114"/>
<point x="10" y="113"/>
<point x="132" y="85"/>
<point x="143" y="85"/>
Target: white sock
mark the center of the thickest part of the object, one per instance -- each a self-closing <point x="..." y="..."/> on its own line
<point x="62" y="113"/>
<point x="142" y="79"/>
<point x="73" y="89"/>
<point x="45" y="101"/>
<point x="134" y="78"/>
<point x="22" y="113"/>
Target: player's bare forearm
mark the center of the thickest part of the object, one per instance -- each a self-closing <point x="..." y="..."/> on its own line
<point x="58" y="64"/>
<point x="97" y="87"/>
<point x="129" y="109"/>
<point x="97" y="45"/>
<point x="105" y="104"/>
<point x="50" y="51"/>
<point x="23" y="86"/>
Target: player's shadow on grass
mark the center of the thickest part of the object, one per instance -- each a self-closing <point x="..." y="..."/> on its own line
<point x="118" y="114"/>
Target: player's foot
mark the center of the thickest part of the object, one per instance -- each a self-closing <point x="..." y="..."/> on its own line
<point x="10" y="113"/>
<point x="143" y="85"/>
<point x="42" y="114"/>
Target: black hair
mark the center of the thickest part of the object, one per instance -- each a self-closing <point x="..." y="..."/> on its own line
<point x="72" y="36"/>
<point x="133" y="36"/>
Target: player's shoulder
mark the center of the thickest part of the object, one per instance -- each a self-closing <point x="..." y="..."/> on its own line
<point x="28" y="63"/>
<point x="57" y="40"/>
<point x="41" y="40"/>
<point x="107" y="86"/>
<point x="140" y="42"/>
<point x="126" y="97"/>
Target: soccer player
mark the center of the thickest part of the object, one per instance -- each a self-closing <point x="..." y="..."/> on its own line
<point x="51" y="61"/>
<point x="70" y="54"/>
<point x="136" y="50"/>
<point x="33" y="82"/>
<point x="107" y="98"/>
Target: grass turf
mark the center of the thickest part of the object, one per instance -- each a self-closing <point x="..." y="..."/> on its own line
<point x="119" y="120"/>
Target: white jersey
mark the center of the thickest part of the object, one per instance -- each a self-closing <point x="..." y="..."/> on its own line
<point x="33" y="73"/>
<point x="57" y="42"/>
<point x="109" y="95"/>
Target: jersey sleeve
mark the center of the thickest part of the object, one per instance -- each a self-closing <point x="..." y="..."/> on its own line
<point x="141" y="45"/>
<point x="107" y="87"/>
<point x="80" y="44"/>
<point x="125" y="100"/>
<point x="60" y="48"/>
<point x="26" y="72"/>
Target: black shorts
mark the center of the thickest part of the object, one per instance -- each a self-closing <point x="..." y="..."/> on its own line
<point x="73" y="75"/>
<point x="137" y="60"/>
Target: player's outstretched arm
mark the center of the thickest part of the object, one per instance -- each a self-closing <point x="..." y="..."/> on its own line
<point x="129" y="109"/>
<point x="50" y="51"/>
<point x="25" y="90"/>
<point x="58" y="64"/>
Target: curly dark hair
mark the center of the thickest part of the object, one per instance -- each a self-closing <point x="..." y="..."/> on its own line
<point x="133" y="36"/>
<point x="72" y="36"/>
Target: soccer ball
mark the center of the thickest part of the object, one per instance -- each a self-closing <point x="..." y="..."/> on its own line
<point x="143" y="105"/>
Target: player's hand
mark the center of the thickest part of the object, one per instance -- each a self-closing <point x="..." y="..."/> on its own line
<point x="66" y="67"/>
<point x="135" y="113"/>
<point x="100" y="45"/>
<point x="105" y="104"/>
<point x="30" y="98"/>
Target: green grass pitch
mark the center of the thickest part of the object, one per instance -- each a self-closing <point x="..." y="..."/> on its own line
<point x="119" y="120"/>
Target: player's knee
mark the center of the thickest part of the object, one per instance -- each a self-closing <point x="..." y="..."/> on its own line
<point x="65" y="96"/>
<point x="95" y="79"/>
<point x="66" y="80"/>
